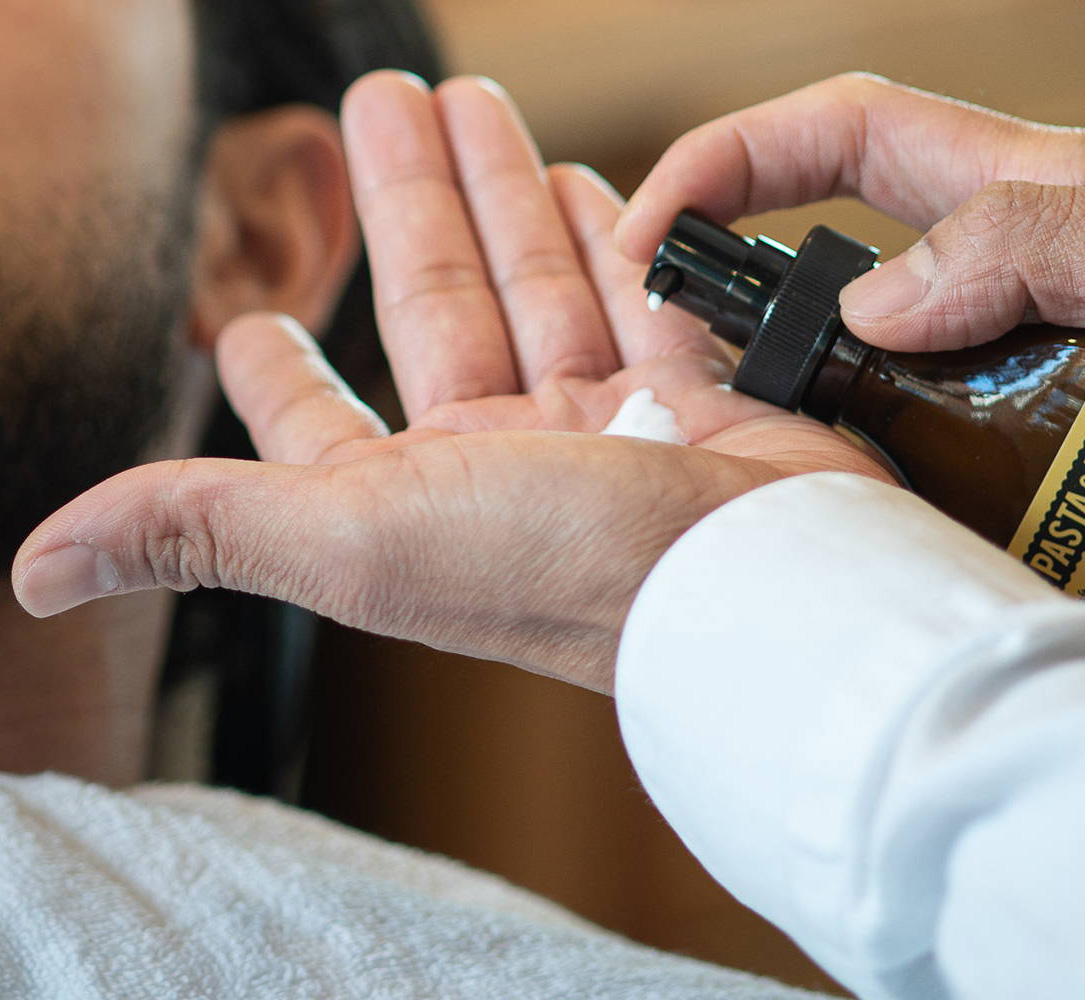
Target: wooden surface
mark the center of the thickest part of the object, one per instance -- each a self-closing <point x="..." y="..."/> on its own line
<point x="521" y="775"/>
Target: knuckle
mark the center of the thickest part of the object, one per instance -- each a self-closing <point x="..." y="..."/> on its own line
<point x="1062" y="208"/>
<point x="437" y="279"/>
<point x="1053" y="257"/>
<point x="1007" y="202"/>
<point x="1010" y="250"/>
<point x="1003" y="201"/>
<point x="443" y="276"/>
<point x="181" y="548"/>
<point x="181" y="561"/>
<point x="413" y="179"/>
<point x="534" y="263"/>
<point x="994" y="216"/>
<point x="1022" y="211"/>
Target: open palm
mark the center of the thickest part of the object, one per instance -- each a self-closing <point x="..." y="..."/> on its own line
<point x="502" y="301"/>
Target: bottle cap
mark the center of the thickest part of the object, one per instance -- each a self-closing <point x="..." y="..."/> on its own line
<point x="782" y="307"/>
<point x="801" y="323"/>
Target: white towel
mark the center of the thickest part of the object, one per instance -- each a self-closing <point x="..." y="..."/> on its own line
<point x="171" y="892"/>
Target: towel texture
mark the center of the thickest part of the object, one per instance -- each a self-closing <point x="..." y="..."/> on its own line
<point x="180" y="892"/>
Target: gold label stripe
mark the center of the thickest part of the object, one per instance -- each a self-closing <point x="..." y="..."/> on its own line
<point x="1051" y="536"/>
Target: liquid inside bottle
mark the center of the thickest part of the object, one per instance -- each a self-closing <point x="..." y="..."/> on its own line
<point x="993" y="435"/>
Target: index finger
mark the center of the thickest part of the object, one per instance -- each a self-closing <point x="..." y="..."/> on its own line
<point x="911" y="154"/>
<point x="294" y="405"/>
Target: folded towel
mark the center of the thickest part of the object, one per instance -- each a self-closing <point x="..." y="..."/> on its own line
<point x="170" y="892"/>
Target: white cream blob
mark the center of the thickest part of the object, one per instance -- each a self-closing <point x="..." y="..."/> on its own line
<point x="641" y="416"/>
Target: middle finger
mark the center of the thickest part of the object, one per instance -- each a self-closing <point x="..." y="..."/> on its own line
<point x="554" y="318"/>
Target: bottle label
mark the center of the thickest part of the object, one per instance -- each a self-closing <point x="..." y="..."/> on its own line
<point x="1051" y="537"/>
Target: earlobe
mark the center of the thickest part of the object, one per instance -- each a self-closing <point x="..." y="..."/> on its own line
<point x="276" y="225"/>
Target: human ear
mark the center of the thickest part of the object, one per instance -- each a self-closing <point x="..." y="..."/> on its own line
<point x="276" y="227"/>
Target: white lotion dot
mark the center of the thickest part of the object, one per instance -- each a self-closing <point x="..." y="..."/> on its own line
<point x="641" y="416"/>
<point x="655" y="301"/>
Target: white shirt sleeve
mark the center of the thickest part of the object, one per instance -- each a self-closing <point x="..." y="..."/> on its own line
<point x="869" y="725"/>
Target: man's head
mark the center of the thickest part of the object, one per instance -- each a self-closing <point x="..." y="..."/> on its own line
<point x="164" y="166"/>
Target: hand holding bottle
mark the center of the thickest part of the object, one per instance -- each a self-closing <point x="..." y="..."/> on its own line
<point x="999" y="198"/>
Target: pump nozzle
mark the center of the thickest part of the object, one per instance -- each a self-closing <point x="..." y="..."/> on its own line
<point x="662" y="285"/>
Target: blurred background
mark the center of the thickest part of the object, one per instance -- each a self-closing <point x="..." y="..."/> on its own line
<point x="520" y="775"/>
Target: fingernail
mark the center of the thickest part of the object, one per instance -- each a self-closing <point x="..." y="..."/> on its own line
<point x="416" y="81"/>
<point x="66" y="578"/>
<point x="490" y="85"/>
<point x="294" y="329"/>
<point x="405" y="75"/>
<point x="897" y="285"/>
<point x="596" y="178"/>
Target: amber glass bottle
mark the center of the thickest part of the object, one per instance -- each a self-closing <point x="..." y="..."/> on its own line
<point x="993" y="435"/>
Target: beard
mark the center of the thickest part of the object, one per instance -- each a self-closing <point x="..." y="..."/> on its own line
<point x="90" y="344"/>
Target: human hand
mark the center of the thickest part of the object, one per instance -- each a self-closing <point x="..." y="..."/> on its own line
<point x="1001" y="197"/>
<point x="473" y="530"/>
<point x="523" y="315"/>
<point x="500" y="298"/>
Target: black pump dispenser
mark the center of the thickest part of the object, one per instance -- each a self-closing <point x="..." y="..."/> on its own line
<point x="779" y="306"/>
<point x="994" y="435"/>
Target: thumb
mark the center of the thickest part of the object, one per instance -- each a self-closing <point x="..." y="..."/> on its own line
<point x="1010" y="254"/>
<point x="208" y="522"/>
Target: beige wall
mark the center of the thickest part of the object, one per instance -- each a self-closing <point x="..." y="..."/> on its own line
<point x="612" y="83"/>
<point x="521" y="775"/>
